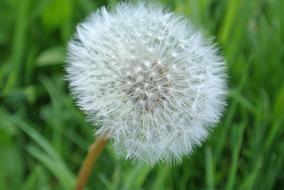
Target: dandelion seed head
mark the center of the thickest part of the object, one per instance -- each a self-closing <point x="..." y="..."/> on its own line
<point x="148" y="78"/>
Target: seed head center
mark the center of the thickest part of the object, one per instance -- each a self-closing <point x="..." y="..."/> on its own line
<point x="147" y="84"/>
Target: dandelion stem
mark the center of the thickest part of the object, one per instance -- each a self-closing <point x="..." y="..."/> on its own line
<point x="93" y="153"/>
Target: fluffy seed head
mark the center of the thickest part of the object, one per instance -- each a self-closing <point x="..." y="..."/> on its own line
<point x="151" y="81"/>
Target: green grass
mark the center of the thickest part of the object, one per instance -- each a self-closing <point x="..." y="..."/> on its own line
<point x="44" y="136"/>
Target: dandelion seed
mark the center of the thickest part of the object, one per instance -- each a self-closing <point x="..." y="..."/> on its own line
<point x="136" y="71"/>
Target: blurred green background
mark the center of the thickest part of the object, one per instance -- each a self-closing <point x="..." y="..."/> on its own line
<point x="44" y="136"/>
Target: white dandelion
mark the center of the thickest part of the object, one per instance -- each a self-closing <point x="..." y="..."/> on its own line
<point x="148" y="78"/>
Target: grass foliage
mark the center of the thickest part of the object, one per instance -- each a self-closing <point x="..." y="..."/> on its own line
<point x="44" y="137"/>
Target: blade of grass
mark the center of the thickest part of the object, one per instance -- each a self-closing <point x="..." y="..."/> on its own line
<point x="161" y="179"/>
<point x="237" y="142"/>
<point x="19" y="40"/>
<point x="50" y="158"/>
<point x="54" y="166"/>
<point x="209" y="169"/>
<point x="135" y="178"/>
